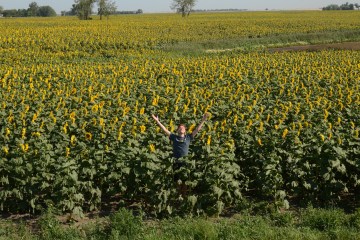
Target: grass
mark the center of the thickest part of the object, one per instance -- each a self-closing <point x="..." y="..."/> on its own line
<point x="309" y="223"/>
<point x="262" y="42"/>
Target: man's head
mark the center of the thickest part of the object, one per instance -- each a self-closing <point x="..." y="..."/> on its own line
<point x="181" y="129"/>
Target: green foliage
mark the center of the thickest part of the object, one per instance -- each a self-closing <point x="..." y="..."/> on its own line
<point x="355" y="219"/>
<point x="324" y="220"/>
<point x="190" y="228"/>
<point x="124" y="225"/>
<point x="46" y="11"/>
<point x="307" y="224"/>
<point x="11" y="230"/>
<point x="283" y="219"/>
<point x="51" y="228"/>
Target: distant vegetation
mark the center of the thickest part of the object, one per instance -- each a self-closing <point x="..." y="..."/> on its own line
<point x="220" y="10"/>
<point x="346" y="6"/>
<point x="139" y="11"/>
<point x="34" y="10"/>
<point x="185" y="7"/>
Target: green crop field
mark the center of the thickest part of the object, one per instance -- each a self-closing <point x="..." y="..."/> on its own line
<point x="76" y="99"/>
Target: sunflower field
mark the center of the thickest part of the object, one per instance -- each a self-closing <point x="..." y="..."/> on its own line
<point x="76" y="99"/>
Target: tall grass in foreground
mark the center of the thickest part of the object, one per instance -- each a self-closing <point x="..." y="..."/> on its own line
<point x="310" y="223"/>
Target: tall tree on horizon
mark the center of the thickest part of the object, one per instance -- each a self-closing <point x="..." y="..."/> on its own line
<point x="46" y="11"/>
<point x="183" y="6"/>
<point x="83" y="8"/>
<point x="106" y="7"/>
<point x="33" y="9"/>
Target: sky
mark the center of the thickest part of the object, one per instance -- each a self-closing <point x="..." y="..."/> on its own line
<point x="150" y="6"/>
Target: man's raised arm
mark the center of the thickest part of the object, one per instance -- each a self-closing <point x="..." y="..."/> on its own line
<point x="197" y="129"/>
<point x="167" y="132"/>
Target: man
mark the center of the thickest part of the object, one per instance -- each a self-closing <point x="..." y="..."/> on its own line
<point x="180" y="143"/>
<point x="181" y="140"/>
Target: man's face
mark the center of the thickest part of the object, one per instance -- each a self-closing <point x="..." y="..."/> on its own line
<point x="181" y="129"/>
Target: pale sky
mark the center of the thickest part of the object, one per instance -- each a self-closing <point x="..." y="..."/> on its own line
<point x="149" y="6"/>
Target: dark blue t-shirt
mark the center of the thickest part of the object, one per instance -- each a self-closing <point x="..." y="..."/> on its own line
<point x="180" y="145"/>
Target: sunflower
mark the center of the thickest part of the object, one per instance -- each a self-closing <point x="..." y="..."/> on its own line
<point x="285" y="133"/>
<point x="95" y="108"/>
<point x="5" y="150"/>
<point x="102" y="122"/>
<point x="7" y="132"/>
<point x="23" y="133"/>
<point x="65" y="127"/>
<point x="208" y="140"/>
<point x="322" y="137"/>
<point x="142" y="111"/>
<point x="249" y="124"/>
<point x="261" y="127"/>
<point x="67" y="152"/>
<point x="88" y="136"/>
<point x="191" y="128"/>
<point x="34" y="118"/>
<point x="152" y="148"/>
<point x="73" y="140"/>
<point x="24" y="147"/>
<point x="142" y="128"/>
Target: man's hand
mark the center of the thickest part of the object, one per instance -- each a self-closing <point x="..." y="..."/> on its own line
<point x="197" y="129"/>
<point x="206" y="116"/>
<point x="156" y="118"/>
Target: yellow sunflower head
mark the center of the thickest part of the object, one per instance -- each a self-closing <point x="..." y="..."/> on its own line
<point x="88" y="136"/>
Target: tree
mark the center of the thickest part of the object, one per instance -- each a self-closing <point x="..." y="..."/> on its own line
<point x="106" y="7"/>
<point x="83" y="8"/>
<point x="1" y="9"/>
<point x="46" y="11"/>
<point x="347" y="6"/>
<point x="33" y="9"/>
<point x="332" y="7"/>
<point x="9" y="13"/>
<point x="15" y="13"/>
<point x="183" y="6"/>
<point x="73" y="11"/>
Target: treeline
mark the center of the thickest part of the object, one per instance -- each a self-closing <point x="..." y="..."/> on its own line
<point x="139" y="11"/>
<point x="34" y="10"/>
<point x="74" y="13"/>
<point x="346" y="6"/>
<point x="84" y="9"/>
<point x="219" y="10"/>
